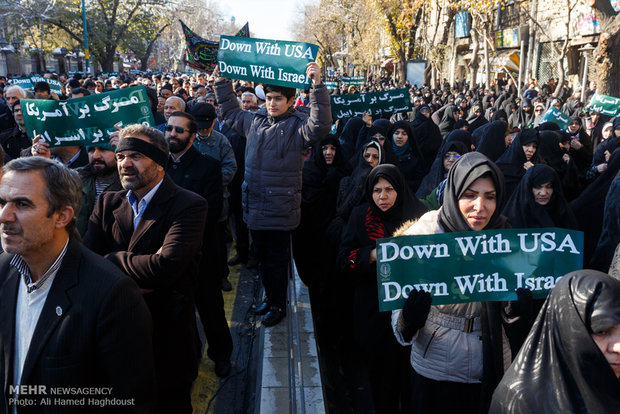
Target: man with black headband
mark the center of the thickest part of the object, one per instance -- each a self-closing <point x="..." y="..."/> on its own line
<point x="153" y="232"/>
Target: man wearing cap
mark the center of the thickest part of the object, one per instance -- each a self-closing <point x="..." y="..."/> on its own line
<point x="98" y="176"/>
<point x="212" y="143"/>
<point x="153" y="232"/>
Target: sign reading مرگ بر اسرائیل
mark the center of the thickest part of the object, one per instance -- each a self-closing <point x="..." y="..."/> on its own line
<point x="376" y="103"/>
<point x="86" y="121"/>
<point x="478" y="266"/>
<point x="272" y="62"/>
<point x="605" y="105"/>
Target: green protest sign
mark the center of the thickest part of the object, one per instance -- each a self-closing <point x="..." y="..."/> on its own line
<point x="352" y="80"/>
<point x="88" y="120"/>
<point x="331" y="84"/>
<point x="475" y="267"/>
<point x="25" y="83"/>
<point x="376" y="103"/>
<point x="605" y="105"/>
<point x="109" y="74"/>
<point x="76" y="72"/>
<point x="553" y="114"/>
<point x="274" y="62"/>
<point x="28" y="83"/>
<point x="55" y="86"/>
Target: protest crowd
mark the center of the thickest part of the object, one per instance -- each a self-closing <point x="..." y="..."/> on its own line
<point x="275" y="168"/>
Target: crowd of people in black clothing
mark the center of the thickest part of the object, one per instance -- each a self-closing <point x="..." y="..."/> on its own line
<point x="370" y="177"/>
<point x="460" y="149"/>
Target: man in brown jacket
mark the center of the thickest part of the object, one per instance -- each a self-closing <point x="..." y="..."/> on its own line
<point x="153" y="232"/>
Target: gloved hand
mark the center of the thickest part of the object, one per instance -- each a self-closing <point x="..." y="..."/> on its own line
<point x="414" y="313"/>
<point x="522" y="307"/>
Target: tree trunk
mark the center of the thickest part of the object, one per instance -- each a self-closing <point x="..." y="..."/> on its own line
<point x="607" y="54"/>
<point x="402" y="66"/>
<point x="487" y="68"/>
<point x="559" y="88"/>
<point x="473" y="64"/>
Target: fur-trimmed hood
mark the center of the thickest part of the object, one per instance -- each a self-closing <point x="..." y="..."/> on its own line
<point x="427" y="224"/>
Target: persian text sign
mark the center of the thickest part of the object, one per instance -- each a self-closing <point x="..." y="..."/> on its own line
<point x="605" y="105"/>
<point x="475" y="267"/>
<point x="272" y="62"/>
<point x="86" y="121"/>
<point x="553" y="114"/>
<point x="376" y="103"/>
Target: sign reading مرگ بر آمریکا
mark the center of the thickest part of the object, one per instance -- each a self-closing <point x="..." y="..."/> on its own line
<point x="477" y="266"/>
<point x="272" y="62"/>
<point x="605" y="105"/>
<point x="86" y="121"/>
<point x="376" y="103"/>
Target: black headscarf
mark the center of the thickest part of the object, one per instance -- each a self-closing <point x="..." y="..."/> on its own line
<point x="436" y="173"/>
<point x="610" y="235"/>
<point x="590" y="205"/>
<point x="317" y="174"/>
<point x="512" y="160"/>
<point x="524" y="212"/>
<point x="560" y="369"/>
<point x="428" y="135"/>
<point x="406" y="207"/>
<point x="447" y="121"/>
<point x="490" y="140"/>
<point x="348" y="137"/>
<point x="463" y="173"/>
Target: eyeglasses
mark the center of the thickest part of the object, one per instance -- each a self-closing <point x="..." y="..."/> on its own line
<point x="179" y="129"/>
<point x="538" y="110"/>
<point x="451" y="156"/>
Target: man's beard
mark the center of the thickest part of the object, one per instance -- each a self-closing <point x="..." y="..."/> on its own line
<point x="101" y="169"/>
<point x="178" y="145"/>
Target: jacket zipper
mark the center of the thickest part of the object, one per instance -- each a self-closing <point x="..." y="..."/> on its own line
<point x="429" y="342"/>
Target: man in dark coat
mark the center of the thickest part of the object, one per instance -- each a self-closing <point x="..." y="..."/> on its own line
<point x="15" y="140"/>
<point x="69" y="317"/>
<point x="153" y="233"/>
<point x="202" y="174"/>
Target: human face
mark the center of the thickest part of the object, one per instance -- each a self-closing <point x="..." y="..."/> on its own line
<point x="161" y="102"/>
<point x="25" y="226"/>
<point x="211" y="100"/>
<point x="607" y="133"/>
<point x="400" y="137"/>
<point x="329" y="152"/>
<point x="617" y="131"/>
<point x="171" y="105"/>
<point x="573" y="127"/>
<point x="449" y="159"/>
<point x="277" y="104"/>
<point x="530" y="149"/>
<point x="565" y="145"/>
<point x="608" y="341"/>
<point x="138" y="172"/>
<point x="371" y="155"/>
<point x="542" y="193"/>
<point x="17" y="115"/>
<point x="178" y="142"/>
<point x="426" y="112"/>
<point x="246" y="102"/>
<point x="539" y="110"/>
<point x="379" y="138"/>
<point x="41" y="95"/>
<point x="166" y="93"/>
<point x="99" y="88"/>
<point x="383" y="194"/>
<point x="11" y="96"/>
<point x="478" y="203"/>
<point x="101" y="160"/>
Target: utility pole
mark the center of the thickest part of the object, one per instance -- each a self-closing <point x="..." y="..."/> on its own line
<point x="86" y="52"/>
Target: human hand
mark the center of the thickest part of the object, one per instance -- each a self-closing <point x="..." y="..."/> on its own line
<point x="566" y="158"/>
<point x="575" y="144"/>
<point x="607" y="155"/>
<point x="414" y="313"/>
<point x="373" y="256"/>
<point x="313" y="71"/>
<point x="527" y="165"/>
<point x="40" y="148"/>
<point x="601" y="167"/>
<point x="114" y="138"/>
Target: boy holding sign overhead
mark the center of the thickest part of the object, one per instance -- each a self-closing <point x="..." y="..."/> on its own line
<point x="271" y="192"/>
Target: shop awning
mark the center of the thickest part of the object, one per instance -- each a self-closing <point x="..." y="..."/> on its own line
<point x="507" y="59"/>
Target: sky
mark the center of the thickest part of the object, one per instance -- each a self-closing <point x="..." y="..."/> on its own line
<point x="269" y="19"/>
